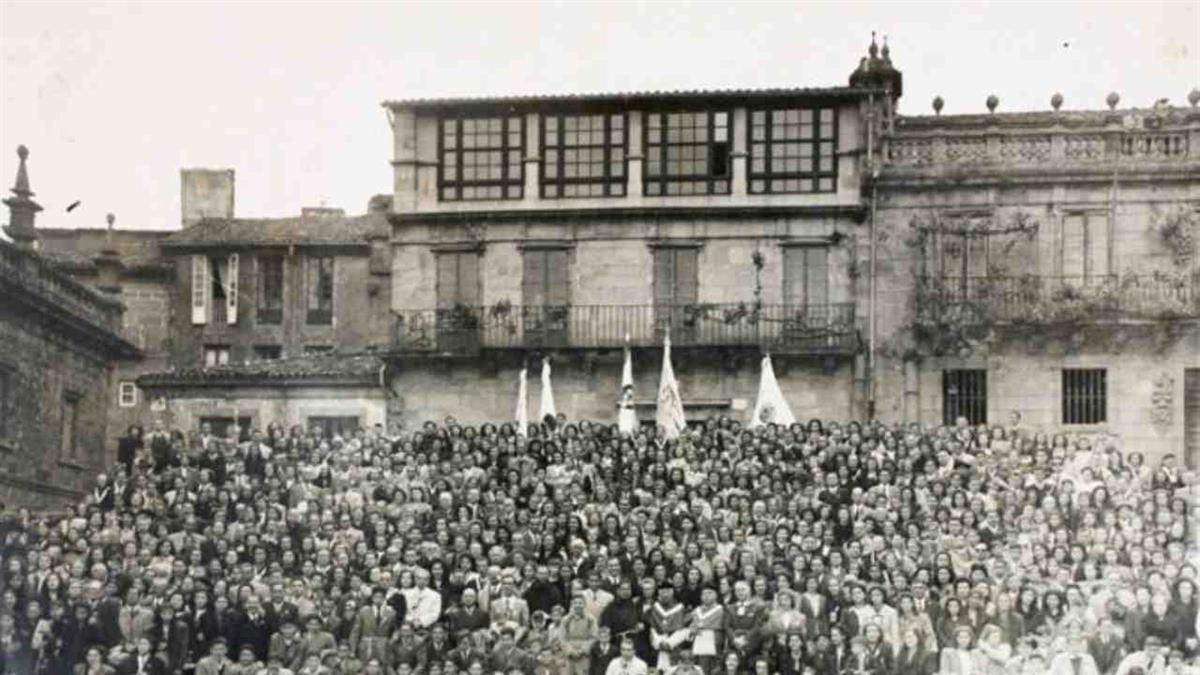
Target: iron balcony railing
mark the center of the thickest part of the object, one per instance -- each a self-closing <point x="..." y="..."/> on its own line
<point x="1046" y="299"/>
<point x="809" y="329"/>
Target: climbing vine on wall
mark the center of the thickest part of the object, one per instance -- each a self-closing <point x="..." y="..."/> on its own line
<point x="1176" y="230"/>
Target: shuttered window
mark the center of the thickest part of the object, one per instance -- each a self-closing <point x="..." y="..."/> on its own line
<point x="231" y="285"/>
<point x="458" y="279"/>
<point x="1085" y="396"/>
<point x="544" y="280"/>
<point x="320" y="290"/>
<point x="964" y="394"/>
<point x="806" y="276"/>
<point x="270" y="289"/>
<point x="1084" y="247"/>
<point x="676" y="278"/>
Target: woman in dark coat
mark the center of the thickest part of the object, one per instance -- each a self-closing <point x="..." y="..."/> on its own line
<point x="128" y="447"/>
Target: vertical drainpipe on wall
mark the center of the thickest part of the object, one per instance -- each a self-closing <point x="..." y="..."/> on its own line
<point x="873" y="284"/>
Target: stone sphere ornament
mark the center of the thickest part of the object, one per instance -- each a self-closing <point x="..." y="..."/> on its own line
<point x="938" y="104"/>
<point x="1113" y="99"/>
<point x="1194" y="97"/>
<point x="992" y="102"/>
<point x="1056" y="100"/>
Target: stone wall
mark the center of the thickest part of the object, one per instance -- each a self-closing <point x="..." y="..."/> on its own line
<point x="44" y="368"/>
<point x="145" y="323"/>
<point x="264" y="405"/>
<point x="586" y="386"/>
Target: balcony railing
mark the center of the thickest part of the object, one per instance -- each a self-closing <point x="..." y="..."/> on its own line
<point x="1049" y="299"/>
<point x="807" y="329"/>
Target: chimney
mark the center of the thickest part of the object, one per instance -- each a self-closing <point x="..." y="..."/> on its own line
<point x="108" y="263"/>
<point x="207" y="193"/>
<point x="22" y="209"/>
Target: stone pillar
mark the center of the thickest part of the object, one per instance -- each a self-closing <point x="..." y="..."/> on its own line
<point x="404" y="160"/>
<point x="22" y="209"/>
<point x="108" y="264"/>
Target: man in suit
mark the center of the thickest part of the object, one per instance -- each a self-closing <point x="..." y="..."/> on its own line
<point x="255" y="629"/>
<point x="279" y="610"/>
<point x="1106" y="647"/>
<point x="142" y="661"/>
<point x="286" y="646"/>
<point x="217" y="661"/>
<point x="372" y="627"/>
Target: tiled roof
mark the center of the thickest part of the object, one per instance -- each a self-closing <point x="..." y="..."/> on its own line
<point x="356" y="367"/>
<point x="630" y="96"/>
<point x="75" y="249"/>
<point x="312" y="231"/>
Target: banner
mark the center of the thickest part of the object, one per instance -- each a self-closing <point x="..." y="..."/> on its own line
<point x="547" y="406"/>
<point x="770" y="407"/>
<point x="627" y="420"/>
<point x="669" y="415"/>
<point x="522" y="408"/>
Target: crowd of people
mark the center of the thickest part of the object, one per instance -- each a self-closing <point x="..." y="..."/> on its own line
<point x="819" y="548"/>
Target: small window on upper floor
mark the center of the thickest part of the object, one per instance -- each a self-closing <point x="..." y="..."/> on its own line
<point x="216" y="355"/>
<point x="481" y="158"/>
<point x="583" y="155"/>
<point x="127" y="394"/>
<point x="793" y="150"/>
<point x="687" y="153"/>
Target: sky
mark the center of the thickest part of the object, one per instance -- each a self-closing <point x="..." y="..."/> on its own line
<point x="113" y="99"/>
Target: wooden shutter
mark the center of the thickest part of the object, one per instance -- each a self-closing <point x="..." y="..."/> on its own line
<point x="1071" y="247"/>
<point x="1097" y="240"/>
<point x="200" y="289"/>
<point x="533" y="279"/>
<point x="231" y="290"/>
<point x="558" y="283"/>
<point x="687" y="276"/>
<point x="468" y="279"/>
<point x="816" y="276"/>
<point x="447" y="280"/>
<point x="664" y="276"/>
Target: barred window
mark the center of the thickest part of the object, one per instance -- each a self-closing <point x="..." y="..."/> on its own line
<point x="481" y="158"/>
<point x="793" y="150"/>
<point x="964" y="394"/>
<point x="687" y="153"/>
<point x="1085" y="396"/>
<point x="583" y="155"/>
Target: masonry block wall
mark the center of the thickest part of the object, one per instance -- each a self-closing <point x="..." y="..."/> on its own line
<point x="48" y="369"/>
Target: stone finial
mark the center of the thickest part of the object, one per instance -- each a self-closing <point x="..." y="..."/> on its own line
<point x="110" y="219"/>
<point x="938" y="104"/>
<point x="1056" y="100"/>
<point x="992" y="102"/>
<point x="21" y="207"/>
<point x="873" y="50"/>
<point x="1112" y="100"/>
<point x="1194" y="97"/>
<point x="886" y="52"/>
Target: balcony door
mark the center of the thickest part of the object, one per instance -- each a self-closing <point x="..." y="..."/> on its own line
<point x="806" y="317"/>
<point x="676" y="291"/>
<point x="546" y="293"/>
<point x="458" y="300"/>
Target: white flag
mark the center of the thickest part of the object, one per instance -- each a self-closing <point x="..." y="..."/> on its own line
<point x="669" y="415"/>
<point x="770" y="406"/>
<point x="522" y="408"/>
<point x="547" y="406"/>
<point x="626" y="414"/>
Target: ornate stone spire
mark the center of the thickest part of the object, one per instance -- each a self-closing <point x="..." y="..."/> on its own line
<point x="22" y="209"/>
<point x="876" y="70"/>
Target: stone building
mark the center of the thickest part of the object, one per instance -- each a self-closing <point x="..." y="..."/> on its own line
<point x="304" y="291"/>
<point x="62" y="346"/>
<point x="1043" y="263"/>
<point x="570" y="226"/>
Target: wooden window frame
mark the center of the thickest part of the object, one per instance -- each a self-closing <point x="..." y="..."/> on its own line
<point x="659" y="184"/>
<point x="1060" y="254"/>
<point x="127" y="386"/>
<point x="452" y="185"/>
<point x="555" y="186"/>
<point x="319" y="316"/>
<point x="267" y="315"/>
<point x="216" y="348"/>
<point x="768" y="180"/>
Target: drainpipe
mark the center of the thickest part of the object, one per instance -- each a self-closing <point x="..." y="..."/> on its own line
<point x="873" y="285"/>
